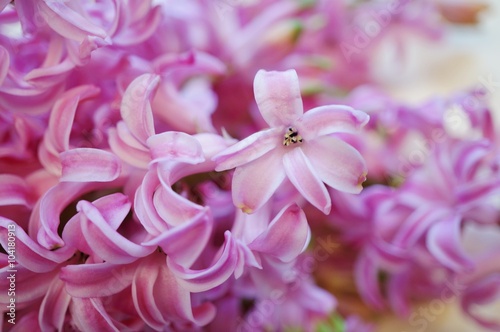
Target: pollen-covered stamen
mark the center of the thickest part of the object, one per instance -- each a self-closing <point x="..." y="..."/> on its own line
<point x="292" y="136"/>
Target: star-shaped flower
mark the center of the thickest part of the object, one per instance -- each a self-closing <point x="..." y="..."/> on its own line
<point x="298" y="145"/>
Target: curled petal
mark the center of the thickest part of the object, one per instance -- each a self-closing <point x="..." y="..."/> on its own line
<point x="303" y="176"/>
<point x="213" y="276"/>
<point x="97" y="280"/>
<point x="140" y="30"/>
<point x="278" y="96"/>
<point x="67" y="22"/>
<point x="173" y="208"/>
<point x="54" y="307"/>
<point x="45" y="219"/>
<point x="484" y="291"/>
<point x="49" y="76"/>
<point x="135" y="156"/>
<point x="175" y="146"/>
<point x="113" y="208"/>
<point x="136" y="107"/>
<point x="14" y="191"/>
<point x="337" y="163"/>
<point x="29" y="253"/>
<point x="254" y="183"/>
<point x="444" y="242"/>
<point x="330" y="119"/>
<point x="189" y="108"/>
<point x="88" y="314"/>
<point x="30" y="286"/>
<point x="278" y="241"/>
<point x="159" y="298"/>
<point x="144" y="206"/>
<point x="248" y="149"/>
<point x="89" y="165"/>
<point x="63" y="115"/>
<point x="184" y="243"/>
<point x="104" y="240"/>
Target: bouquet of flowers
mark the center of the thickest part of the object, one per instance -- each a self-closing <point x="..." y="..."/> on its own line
<point x="235" y="165"/>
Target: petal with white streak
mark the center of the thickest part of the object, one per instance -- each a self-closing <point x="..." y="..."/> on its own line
<point x="254" y="183"/>
<point x="325" y="120"/>
<point x="136" y="106"/>
<point x="248" y="149"/>
<point x="337" y="163"/>
<point x="286" y="236"/>
<point x="303" y="176"/>
<point x="89" y="165"/>
<point x="278" y="96"/>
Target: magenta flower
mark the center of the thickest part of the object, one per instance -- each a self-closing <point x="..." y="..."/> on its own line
<point x="298" y="146"/>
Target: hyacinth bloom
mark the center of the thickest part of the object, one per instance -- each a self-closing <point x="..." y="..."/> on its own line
<point x="118" y="173"/>
<point x="298" y="146"/>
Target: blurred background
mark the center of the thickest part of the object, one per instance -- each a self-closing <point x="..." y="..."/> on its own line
<point x="468" y="57"/>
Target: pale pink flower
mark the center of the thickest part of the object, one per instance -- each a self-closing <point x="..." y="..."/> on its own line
<point x="298" y="146"/>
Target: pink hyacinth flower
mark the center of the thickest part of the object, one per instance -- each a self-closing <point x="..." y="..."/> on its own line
<point x="298" y="146"/>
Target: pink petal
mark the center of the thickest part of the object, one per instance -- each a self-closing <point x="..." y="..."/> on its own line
<point x="89" y="165"/>
<point x="484" y="291"/>
<point x="398" y="286"/>
<point x="197" y="101"/>
<point x="105" y="241"/>
<point x="469" y="159"/>
<point x="45" y="219"/>
<point x="476" y="192"/>
<point x="213" y="276"/>
<point x="444" y="242"/>
<point x="366" y="274"/>
<point x="143" y="291"/>
<point x="278" y="96"/>
<point x="303" y="176"/>
<point x="138" y="157"/>
<point x="175" y="146"/>
<point x="330" y="119"/>
<point x="54" y="307"/>
<point x="29" y="253"/>
<point x="417" y="224"/>
<point x="67" y="22"/>
<point x="248" y="149"/>
<point x="278" y="241"/>
<point x="136" y="107"/>
<point x="89" y="315"/>
<point x="4" y="62"/>
<point x="97" y="280"/>
<point x="49" y="76"/>
<point x="114" y="208"/>
<point x="184" y="243"/>
<point x="30" y="286"/>
<point x="140" y="30"/>
<point x="144" y="206"/>
<point x="254" y="183"/>
<point x="15" y="191"/>
<point x="63" y="114"/>
<point x="173" y="208"/>
<point x="159" y="298"/>
<point x="337" y="163"/>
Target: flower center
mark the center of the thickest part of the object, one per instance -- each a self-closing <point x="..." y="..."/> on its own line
<point x="292" y="137"/>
